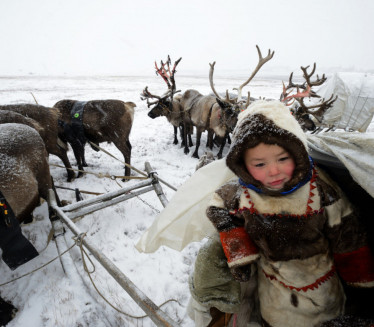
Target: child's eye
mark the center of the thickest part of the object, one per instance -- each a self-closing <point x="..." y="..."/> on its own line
<point x="284" y="158"/>
<point x="260" y="165"/>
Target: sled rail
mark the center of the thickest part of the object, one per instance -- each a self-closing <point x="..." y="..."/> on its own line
<point x="66" y="214"/>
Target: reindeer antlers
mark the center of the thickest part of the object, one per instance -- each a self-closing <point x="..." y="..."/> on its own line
<point x="299" y="96"/>
<point x="261" y="62"/>
<point x="167" y="75"/>
<point x="146" y="95"/>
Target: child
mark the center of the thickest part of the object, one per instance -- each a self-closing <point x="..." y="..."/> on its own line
<point x="285" y="219"/>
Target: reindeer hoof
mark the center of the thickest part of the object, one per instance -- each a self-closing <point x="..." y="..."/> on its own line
<point x="70" y="178"/>
<point x="186" y="150"/>
<point x="195" y="155"/>
<point x="28" y="220"/>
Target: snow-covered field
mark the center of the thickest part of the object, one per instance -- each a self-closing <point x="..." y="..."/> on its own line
<point x="48" y="297"/>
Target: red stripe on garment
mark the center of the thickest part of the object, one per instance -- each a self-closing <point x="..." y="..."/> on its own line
<point x="356" y="266"/>
<point x="237" y="244"/>
<point x="312" y="286"/>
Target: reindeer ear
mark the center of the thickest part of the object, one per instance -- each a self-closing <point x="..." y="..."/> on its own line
<point x="224" y="105"/>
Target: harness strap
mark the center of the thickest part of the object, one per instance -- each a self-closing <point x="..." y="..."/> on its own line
<point x="76" y="115"/>
<point x="6" y="211"/>
<point x="76" y="112"/>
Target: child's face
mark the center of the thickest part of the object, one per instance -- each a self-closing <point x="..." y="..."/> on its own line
<point x="271" y="165"/>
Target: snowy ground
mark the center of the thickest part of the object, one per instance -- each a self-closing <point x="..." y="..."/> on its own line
<point x="48" y="297"/>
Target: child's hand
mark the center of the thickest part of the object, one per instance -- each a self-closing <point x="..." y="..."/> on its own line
<point x="241" y="273"/>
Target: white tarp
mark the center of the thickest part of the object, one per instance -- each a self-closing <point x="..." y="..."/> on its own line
<point x="355" y="150"/>
<point x="184" y="220"/>
<point x="354" y="108"/>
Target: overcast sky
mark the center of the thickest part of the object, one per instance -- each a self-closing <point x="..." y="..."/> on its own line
<point x="122" y="37"/>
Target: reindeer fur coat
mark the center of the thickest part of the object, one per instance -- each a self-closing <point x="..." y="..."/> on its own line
<point x="303" y="238"/>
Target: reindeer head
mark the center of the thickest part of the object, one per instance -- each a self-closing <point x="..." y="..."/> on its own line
<point x="301" y="111"/>
<point x="163" y="104"/>
<point x="229" y="114"/>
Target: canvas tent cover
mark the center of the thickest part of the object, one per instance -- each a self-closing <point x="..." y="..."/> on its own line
<point x="354" y="107"/>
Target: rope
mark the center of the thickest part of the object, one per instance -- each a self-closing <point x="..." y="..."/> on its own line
<point x="100" y="175"/>
<point x="42" y="266"/>
<point x="133" y="168"/>
<point x="126" y="164"/>
<point x="148" y="204"/>
<point x="79" y="243"/>
<point x="71" y="189"/>
<point x="145" y="202"/>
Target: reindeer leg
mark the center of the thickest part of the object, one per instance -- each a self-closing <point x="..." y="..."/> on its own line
<point x="128" y="158"/>
<point x="223" y="143"/>
<point x="185" y="133"/>
<point x="198" y="137"/>
<point x="181" y="134"/>
<point x="78" y="150"/>
<point x="189" y="132"/>
<point x="125" y="149"/>
<point x="209" y="143"/>
<point x="64" y="157"/>
<point x="84" y="163"/>
<point x="175" y="135"/>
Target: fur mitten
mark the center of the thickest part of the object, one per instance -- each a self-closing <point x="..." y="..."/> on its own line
<point x="241" y="273"/>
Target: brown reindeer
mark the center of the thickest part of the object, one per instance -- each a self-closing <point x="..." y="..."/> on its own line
<point x="7" y="116"/>
<point x="49" y="128"/>
<point x="168" y="104"/>
<point x="215" y="114"/>
<point x="301" y="111"/>
<point x="24" y="173"/>
<point x="102" y="121"/>
<point x="25" y="178"/>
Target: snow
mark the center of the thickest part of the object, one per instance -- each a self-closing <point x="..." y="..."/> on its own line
<point x="48" y="297"/>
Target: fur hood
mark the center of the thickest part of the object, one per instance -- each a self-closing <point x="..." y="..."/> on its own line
<point x="269" y="122"/>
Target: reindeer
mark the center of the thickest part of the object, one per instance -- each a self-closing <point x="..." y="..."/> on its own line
<point x="302" y="112"/>
<point x="215" y="114"/>
<point x="168" y="104"/>
<point x="25" y="178"/>
<point x="46" y="121"/>
<point x="8" y="116"/>
<point x="24" y="173"/>
<point x="103" y="121"/>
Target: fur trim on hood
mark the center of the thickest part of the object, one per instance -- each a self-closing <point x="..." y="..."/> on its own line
<point x="269" y="122"/>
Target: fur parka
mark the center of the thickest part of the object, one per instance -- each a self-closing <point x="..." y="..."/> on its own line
<point x="303" y="238"/>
